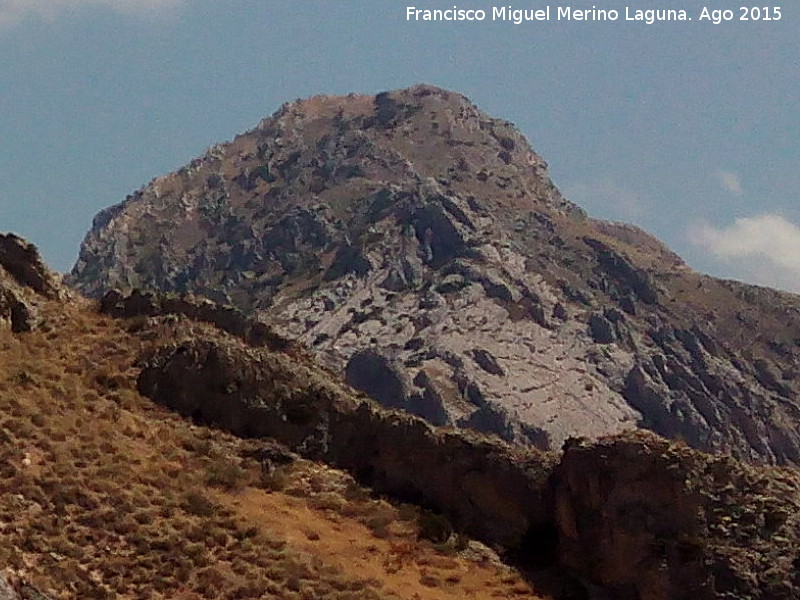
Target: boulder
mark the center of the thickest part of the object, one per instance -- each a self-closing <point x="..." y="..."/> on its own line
<point x="601" y="329"/>
<point x="21" y="259"/>
<point x="21" y="315"/>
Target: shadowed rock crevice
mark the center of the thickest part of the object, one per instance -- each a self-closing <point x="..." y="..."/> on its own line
<point x="374" y="375"/>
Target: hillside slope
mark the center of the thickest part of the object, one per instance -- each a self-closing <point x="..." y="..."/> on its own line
<point x="106" y="494"/>
<point x="640" y="517"/>
<point x="103" y="494"/>
<point x="418" y="247"/>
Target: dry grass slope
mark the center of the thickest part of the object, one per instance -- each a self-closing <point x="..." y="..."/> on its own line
<point x="105" y="495"/>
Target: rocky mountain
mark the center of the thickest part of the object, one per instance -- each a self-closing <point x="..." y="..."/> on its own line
<point x="418" y="247"/>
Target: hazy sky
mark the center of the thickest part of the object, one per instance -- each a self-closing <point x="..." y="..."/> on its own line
<point x="690" y="130"/>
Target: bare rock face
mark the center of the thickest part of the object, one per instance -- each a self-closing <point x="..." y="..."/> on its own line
<point x="22" y="261"/>
<point x="411" y="233"/>
<point x="375" y="374"/>
<point x="6" y="591"/>
<point x="19" y="591"/>
<point x="655" y="521"/>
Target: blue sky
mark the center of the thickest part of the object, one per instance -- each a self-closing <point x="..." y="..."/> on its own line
<point x="689" y="130"/>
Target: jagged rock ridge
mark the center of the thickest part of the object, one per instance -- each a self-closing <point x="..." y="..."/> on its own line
<point x="644" y="518"/>
<point x="418" y="246"/>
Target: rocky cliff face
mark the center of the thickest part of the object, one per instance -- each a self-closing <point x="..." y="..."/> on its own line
<point x="638" y="516"/>
<point x="24" y="282"/>
<point x="654" y="520"/>
<point x="418" y="246"/>
<point x="257" y="394"/>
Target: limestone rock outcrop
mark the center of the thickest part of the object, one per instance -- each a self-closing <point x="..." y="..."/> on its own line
<point x="140" y="303"/>
<point x="19" y="591"/>
<point x="22" y="261"/>
<point x="411" y="232"/>
<point x="652" y="520"/>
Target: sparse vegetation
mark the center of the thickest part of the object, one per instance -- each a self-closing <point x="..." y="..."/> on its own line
<point x="96" y="479"/>
<point x="222" y="472"/>
<point x="434" y="527"/>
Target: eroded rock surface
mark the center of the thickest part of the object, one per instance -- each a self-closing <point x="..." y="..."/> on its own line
<point x="20" y="590"/>
<point x="653" y="520"/>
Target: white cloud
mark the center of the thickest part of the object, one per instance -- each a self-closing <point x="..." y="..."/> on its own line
<point x="14" y="11"/>
<point x="730" y="181"/>
<point x="606" y="198"/>
<point x="764" y="248"/>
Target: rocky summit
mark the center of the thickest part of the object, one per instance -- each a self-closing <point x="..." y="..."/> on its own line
<point x="417" y="246"/>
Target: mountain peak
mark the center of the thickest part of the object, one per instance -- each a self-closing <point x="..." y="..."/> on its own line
<point x="417" y="246"/>
<point x="351" y="105"/>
